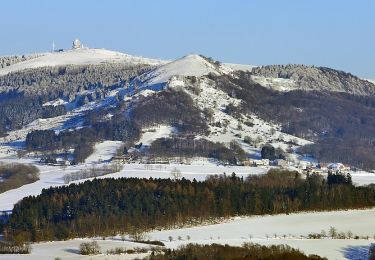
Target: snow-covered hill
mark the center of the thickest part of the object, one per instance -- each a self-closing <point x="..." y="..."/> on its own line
<point x="190" y="65"/>
<point x="79" y="57"/>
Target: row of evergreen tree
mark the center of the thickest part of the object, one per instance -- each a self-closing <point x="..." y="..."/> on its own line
<point x="191" y="147"/>
<point x="112" y="206"/>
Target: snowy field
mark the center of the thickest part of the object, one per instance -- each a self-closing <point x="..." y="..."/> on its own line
<point x="293" y="226"/>
<point x="70" y="250"/>
<point x="266" y="230"/>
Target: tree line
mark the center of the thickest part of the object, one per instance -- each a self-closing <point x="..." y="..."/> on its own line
<point x="247" y="251"/>
<point x="191" y="147"/>
<point x="112" y="206"/>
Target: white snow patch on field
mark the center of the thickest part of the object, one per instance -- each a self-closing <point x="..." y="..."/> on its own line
<point x="55" y="103"/>
<point x="279" y="84"/>
<point x="271" y="230"/>
<point x="151" y="134"/>
<point x="104" y="151"/>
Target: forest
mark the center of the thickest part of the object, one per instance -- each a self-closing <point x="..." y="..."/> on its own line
<point x="247" y="251"/>
<point x="23" y="93"/>
<point x="14" y="175"/>
<point x="127" y="205"/>
<point x="116" y="128"/>
<point x="172" y="107"/>
<point x="191" y="147"/>
<point x="18" y="111"/>
<point x="337" y="122"/>
<point x="65" y="82"/>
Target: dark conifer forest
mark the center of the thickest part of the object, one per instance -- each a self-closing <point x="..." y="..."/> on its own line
<point x="112" y="206"/>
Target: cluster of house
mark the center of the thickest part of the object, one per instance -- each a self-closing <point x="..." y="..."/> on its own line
<point x="265" y="162"/>
<point x="303" y="166"/>
<point x="125" y="158"/>
<point x="54" y="161"/>
<point x="134" y="157"/>
<point x="326" y="167"/>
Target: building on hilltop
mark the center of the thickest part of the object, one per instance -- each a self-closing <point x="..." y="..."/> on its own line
<point x="77" y="44"/>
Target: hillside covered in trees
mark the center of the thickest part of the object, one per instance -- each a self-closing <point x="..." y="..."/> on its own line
<point x="23" y="93"/>
<point x="112" y="206"/>
<point x="341" y="125"/>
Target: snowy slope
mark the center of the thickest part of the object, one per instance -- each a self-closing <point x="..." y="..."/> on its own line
<point x="104" y="151"/>
<point x="279" y="84"/>
<point x="151" y="134"/>
<point x="213" y="99"/>
<point x="190" y="65"/>
<point x="78" y="57"/>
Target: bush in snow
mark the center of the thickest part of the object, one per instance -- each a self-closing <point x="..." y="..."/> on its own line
<point x="89" y="248"/>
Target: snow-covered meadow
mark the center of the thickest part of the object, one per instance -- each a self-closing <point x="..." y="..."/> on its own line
<point x="290" y="229"/>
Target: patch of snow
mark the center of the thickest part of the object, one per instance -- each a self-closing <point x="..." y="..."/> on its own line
<point x="279" y="84"/>
<point x="151" y="134"/>
<point x="104" y="151"/>
<point x="147" y="92"/>
<point x="57" y="102"/>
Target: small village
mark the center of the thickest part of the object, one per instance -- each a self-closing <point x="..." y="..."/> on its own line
<point x="301" y="166"/>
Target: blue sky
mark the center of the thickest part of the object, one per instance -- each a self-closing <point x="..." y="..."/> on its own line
<point x="335" y="33"/>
